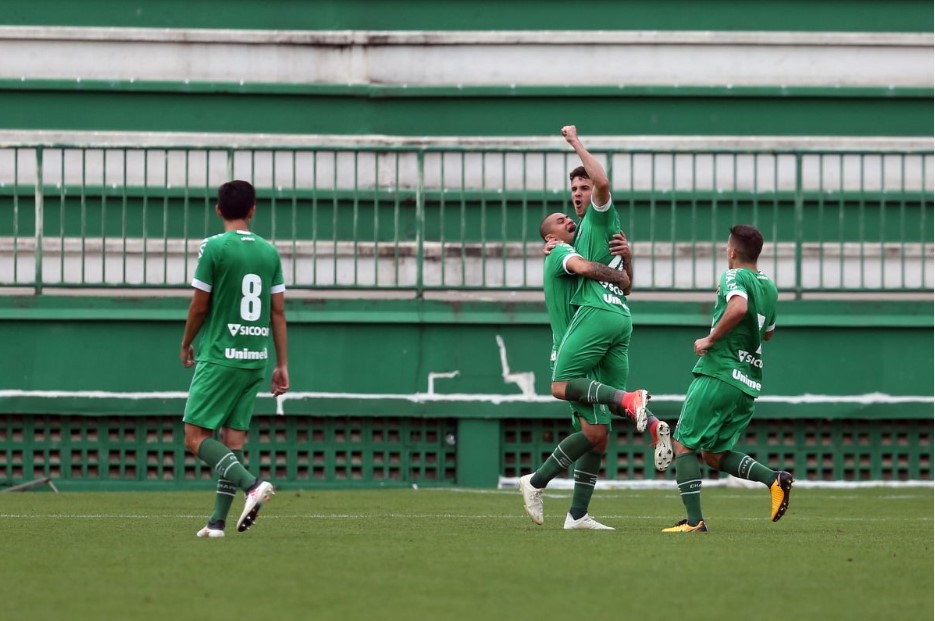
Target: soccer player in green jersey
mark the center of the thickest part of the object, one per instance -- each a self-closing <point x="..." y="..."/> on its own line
<point x="595" y="342"/>
<point x="238" y="301"/>
<point x="728" y="378"/>
<point x="560" y="281"/>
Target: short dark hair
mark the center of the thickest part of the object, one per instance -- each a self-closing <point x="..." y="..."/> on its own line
<point x="578" y="172"/>
<point x="235" y="199"/>
<point x="747" y="241"/>
<point x="544" y="227"/>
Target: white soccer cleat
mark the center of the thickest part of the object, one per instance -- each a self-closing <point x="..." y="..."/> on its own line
<point x="585" y="522"/>
<point x="254" y="501"/>
<point x="663" y="454"/>
<point x="532" y="499"/>
<point x="210" y="533"/>
<point x="636" y="408"/>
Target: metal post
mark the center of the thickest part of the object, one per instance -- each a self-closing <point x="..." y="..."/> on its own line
<point x="39" y="217"/>
<point x="420" y="223"/>
<point x="799" y="209"/>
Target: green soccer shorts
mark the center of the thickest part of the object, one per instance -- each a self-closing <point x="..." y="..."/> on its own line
<point x="713" y="416"/>
<point x="577" y="408"/>
<point x="222" y="396"/>
<point x="595" y="346"/>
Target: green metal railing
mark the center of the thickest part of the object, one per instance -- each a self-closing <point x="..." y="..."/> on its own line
<point x="432" y="218"/>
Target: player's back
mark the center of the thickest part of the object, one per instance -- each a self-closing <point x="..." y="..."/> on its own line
<point x="241" y="270"/>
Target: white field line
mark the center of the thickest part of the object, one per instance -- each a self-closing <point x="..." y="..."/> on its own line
<point x="425" y="397"/>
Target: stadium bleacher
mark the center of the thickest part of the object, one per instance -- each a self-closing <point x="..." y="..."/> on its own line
<point x="403" y="165"/>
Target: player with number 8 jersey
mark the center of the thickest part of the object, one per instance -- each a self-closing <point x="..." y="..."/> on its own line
<point x="236" y="307"/>
<point x="241" y="270"/>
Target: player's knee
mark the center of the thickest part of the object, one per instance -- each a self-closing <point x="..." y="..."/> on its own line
<point x="194" y="436"/>
<point x="597" y="436"/>
<point x="558" y="390"/>
<point x="712" y="459"/>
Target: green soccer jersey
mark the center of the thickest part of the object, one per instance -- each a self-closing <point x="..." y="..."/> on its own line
<point x="559" y="286"/>
<point x="737" y="358"/>
<point x="594" y="232"/>
<point x="240" y="270"/>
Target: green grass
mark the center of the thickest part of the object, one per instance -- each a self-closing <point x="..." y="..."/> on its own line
<point x="443" y="554"/>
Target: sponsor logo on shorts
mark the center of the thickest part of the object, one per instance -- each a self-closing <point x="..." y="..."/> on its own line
<point x="237" y="329"/>
<point x="743" y="379"/>
<point x="232" y="353"/>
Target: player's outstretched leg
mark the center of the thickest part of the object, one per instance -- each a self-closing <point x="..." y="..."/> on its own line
<point x="589" y="391"/>
<point x="779" y="482"/>
<point x="779" y="491"/>
<point x="256" y="496"/>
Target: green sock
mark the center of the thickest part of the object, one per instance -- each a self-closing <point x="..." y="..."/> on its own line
<point x="565" y="454"/>
<point x="688" y="477"/>
<point x="225" y="463"/>
<point x="225" y="494"/>
<point x="745" y="467"/>
<point x="589" y="391"/>
<point x="586" y="469"/>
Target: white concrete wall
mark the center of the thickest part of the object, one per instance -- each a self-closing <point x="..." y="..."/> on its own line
<point x="873" y="267"/>
<point x="574" y="58"/>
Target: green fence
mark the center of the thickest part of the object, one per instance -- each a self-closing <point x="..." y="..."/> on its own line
<point x="143" y="452"/>
<point x="461" y="218"/>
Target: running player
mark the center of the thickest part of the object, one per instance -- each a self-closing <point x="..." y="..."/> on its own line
<point x="728" y="379"/>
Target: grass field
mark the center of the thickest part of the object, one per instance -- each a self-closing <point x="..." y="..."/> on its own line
<point x="446" y="554"/>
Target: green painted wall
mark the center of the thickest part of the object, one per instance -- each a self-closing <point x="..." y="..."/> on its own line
<point x="831" y="15"/>
<point x="448" y="111"/>
<point x="389" y="347"/>
<point x="492" y="216"/>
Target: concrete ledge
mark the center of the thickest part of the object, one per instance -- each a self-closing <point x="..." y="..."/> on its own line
<point x="10" y="138"/>
<point x="469" y="57"/>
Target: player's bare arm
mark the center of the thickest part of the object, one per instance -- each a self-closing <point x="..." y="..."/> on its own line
<point x="600" y="192"/>
<point x="597" y="271"/>
<point x="197" y="311"/>
<point x="278" y="322"/>
<point x="733" y="315"/>
<point x="620" y="247"/>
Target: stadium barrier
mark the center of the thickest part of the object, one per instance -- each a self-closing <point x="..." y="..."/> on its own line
<point x="448" y="218"/>
<point x="145" y="452"/>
